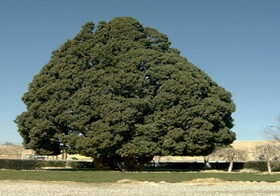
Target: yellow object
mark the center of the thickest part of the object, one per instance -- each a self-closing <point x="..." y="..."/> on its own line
<point x="78" y="157"/>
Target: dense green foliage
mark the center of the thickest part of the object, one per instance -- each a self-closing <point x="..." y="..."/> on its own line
<point x="121" y="94"/>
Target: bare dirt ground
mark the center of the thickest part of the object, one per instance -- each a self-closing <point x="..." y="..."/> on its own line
<point x="124" y="188"/>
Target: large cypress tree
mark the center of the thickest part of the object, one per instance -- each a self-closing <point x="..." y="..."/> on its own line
<point x="121" y="94"/>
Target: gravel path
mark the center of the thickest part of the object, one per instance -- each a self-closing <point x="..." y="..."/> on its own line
<point x="24" y="188"/>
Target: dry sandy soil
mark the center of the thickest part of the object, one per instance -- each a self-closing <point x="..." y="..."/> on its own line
<point x="126" y="187"/>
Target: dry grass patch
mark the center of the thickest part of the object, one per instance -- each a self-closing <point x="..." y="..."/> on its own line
<point x="127" y="181"/>
<point x="205" y="181"/>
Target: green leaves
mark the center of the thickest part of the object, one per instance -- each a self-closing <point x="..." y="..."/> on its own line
<point x="121" y="91"/>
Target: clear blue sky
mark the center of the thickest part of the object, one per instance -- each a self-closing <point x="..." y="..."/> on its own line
<point x="235" y="42"/>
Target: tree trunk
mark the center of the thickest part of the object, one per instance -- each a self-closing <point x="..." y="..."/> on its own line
<point x="230" y="166"/>
<point x="100" y="163"/>
<point x="206" y="163"/>
<point x="63" y="153"/>
<point x="269" y="166"/>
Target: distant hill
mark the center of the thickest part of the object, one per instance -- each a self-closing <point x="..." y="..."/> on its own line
<point x="11" y="151"/>
<point x="249" y="145"/>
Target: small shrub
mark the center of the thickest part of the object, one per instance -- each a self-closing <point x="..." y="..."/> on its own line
<point x="175" y="166"/>
<point x="38" y="164"/>
<point x="275" y="165"/>
<point x="219" y="165"/>
<point x="55" y="163"/>
<point x="262" y="165"/>
<point x="256" y="165"/>
<point x="21" y="164"/>
<point x="225" y="165"/>
<point x="80" y="164"/>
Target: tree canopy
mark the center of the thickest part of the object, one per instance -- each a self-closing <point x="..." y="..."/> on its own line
<point x="119" y="90"/>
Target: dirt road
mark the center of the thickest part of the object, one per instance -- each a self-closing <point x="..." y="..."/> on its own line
<point x="24" y="188"/>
